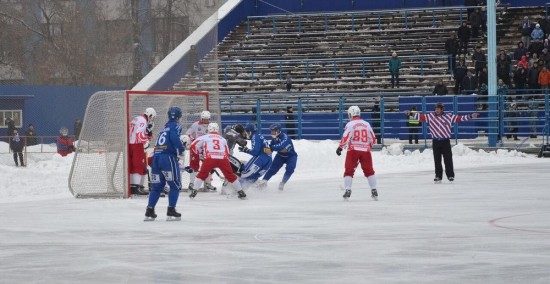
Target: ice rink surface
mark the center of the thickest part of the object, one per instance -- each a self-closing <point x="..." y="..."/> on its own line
<point x="490" y="226"/>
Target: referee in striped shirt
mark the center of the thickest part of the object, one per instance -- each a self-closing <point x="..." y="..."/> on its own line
<point x="440" y="128"/>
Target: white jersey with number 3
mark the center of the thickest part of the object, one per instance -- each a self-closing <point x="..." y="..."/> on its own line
<point x="358" y="135"/>
<point x="212" y="145"/>
<point x="137" y="130"/>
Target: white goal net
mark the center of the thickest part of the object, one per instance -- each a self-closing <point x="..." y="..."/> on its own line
<point x="100" y="165"/>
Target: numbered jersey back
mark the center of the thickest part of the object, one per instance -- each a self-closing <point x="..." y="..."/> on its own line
<point x="212" y="145"/>
<point x="358" y="135"/>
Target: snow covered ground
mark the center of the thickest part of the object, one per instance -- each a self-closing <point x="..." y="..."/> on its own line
<point x="489" y="226"/>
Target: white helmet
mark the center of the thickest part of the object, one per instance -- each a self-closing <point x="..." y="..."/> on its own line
<point x="205" y="115"/>
<point x="150" y="112"/>
<point x="354" y="111"/>
<point x="213" y="127"/>
<point x="185" y="140"/>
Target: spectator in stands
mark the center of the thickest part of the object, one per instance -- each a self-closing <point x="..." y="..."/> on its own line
<point x="502" y="89"/>
<point x="533" y="76"/>
<point x="451" y="47"/>
<point x="537" y="34"/>
<point x="475" y="22"/>
<point x="64" y="142"/>
<point x="526" y="28"/>
<point x="394" y="66"/>
<point x="30" y="135"/>
<point x="288" y="81"/>
<point x="512" y="114"/>
<point x="17" y="145"/>
<point x="519" y="51"/>
<point x="77" y="128"/>
<point x="503" y="68"/>
<point x="523" y="63"/>
<point x="11" y="126"/>
<point x="290" y="124"/>
<point x="533" y="59"/>
<point x="470" y="3"/>
<point x="469" y="83"/>
<point x="375" y="123"/>
<point x="459" y="74"/>
<point x="544" y="78"/>
<point x="440" y="89"/>
<point x="520" y="78"/>
<point x="545" y="56"/>
<point x="479" y="60"/>
<point x="506" y="55"/>
<point x="413" y="125"/>
<point x="483" y="77"/>
<point x="546" y="45"/>
<point x="463" y="34"/>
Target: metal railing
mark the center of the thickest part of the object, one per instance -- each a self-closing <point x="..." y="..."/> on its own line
<point x="301" y="16"/>
<point x="334" y="61"/>
<point x="323" y="116"/>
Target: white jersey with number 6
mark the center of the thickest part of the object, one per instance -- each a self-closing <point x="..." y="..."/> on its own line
<point x="212" y="145"/>
<point x="358" y="135"/>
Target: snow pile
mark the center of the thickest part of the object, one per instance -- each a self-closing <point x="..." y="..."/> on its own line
<point x="46" y="176"/>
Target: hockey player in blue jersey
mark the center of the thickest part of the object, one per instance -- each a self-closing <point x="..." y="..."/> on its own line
<point x="260" y="162"/>
<point x="165" y="168"/>
<point x="285" y="155"/>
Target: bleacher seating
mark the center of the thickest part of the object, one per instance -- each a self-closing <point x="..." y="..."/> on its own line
<point x="409" y="33"/>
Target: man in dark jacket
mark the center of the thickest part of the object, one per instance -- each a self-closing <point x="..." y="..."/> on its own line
<point x="290" y="125"/>
<point x="11" y="126"/>
<point x="469" y="83"/>
<point x="463" y="34"/>
<point x="440" y="89"/>
<point x="475" y="22"/>
<point x="30" y="135"/>
<point x="16" y="145"/>
<point x="525" y="29"/>
<point x="533" y="76"/>
<point x="459" y="74"/>
<point x="451" y="47"/>
<point x="479" y="60"/>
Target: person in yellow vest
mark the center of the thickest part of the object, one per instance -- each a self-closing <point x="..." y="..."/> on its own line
<point x="414" y="126"/>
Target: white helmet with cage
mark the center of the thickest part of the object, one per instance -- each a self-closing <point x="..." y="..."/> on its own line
<point x="354" y="111"/>
<point x="185" y="140"/>
<point x="205" y="115"/>
<point x="150" y="113"/>
<point x="213" y="127"/>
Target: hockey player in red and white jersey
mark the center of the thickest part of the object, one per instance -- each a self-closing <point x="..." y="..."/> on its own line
<point x="216" y="155"/>
<point x="358" y="138"/>
<point x="198" y="129"/>
<point x="141" y="133"/>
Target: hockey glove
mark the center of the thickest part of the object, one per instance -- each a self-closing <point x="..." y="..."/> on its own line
<point x="339" y="151"/>
<point x="188" y="169"/>
<point x="244" y="149"/>
<point x="149" y="130"/>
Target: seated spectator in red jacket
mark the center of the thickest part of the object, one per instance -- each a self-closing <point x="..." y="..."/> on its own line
<point x="64" y="142"/>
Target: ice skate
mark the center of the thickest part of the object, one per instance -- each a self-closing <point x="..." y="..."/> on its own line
<point x="172" y="215"/>
<point x="150" y="214"/>
<point x="281" y="186"/>
<point x="374" y="194"/>
<point x="437" y="180"/>
<point x="261" y="184"/>
<point x="451" y="179"/>
<point x="347" y="194"/>
<point x="241" y="194"/>
<point x="209" y="187"/>
<point x="193" y="194"/>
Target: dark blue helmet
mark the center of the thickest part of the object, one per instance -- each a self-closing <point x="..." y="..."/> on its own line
<point x="174" y="113"/>
<point x="275" y="127"/>
<point x="250" y="127"/>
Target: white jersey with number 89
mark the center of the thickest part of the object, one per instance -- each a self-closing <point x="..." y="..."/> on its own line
<point x="358" y="135"/>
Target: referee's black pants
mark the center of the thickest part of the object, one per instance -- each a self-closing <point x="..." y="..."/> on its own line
<point x="443" y="148"/>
